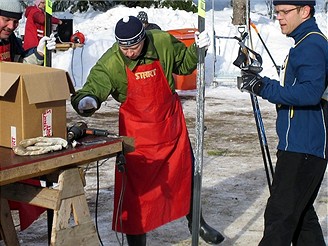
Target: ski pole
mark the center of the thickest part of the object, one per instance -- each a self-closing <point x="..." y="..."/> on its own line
<point x="265" y="47"/>
<point x="260" y="126"/>
<point x="198" y="166"/>
<point x="248" y="61"/>
<point x="263" y="141"/>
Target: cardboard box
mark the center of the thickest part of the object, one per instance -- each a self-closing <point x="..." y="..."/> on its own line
<point x="32" y="102"/>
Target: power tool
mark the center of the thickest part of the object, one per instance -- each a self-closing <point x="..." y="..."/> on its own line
<point x="80" y="129"/>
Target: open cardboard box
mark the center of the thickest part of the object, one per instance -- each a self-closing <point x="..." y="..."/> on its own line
<point x="32" y="102"/>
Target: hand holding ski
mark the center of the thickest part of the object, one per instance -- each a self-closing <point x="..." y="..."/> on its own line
<point x="202" y="40"/>
<point x="49" y="42"/>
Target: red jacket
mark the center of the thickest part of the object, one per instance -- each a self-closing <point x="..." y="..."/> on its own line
<point x="35" y="26"/>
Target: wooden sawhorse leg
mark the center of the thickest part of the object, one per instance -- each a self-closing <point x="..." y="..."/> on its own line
<point x="7" y="228"/>
<point x="72" y="223"/>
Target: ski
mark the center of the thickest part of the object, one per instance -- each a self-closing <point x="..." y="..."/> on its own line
<point x="47" y="63"/>
<point x="48" y="31"/>
<point x="200" y="98"/>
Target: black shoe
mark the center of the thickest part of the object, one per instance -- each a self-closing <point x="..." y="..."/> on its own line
<point x="206" y="232"/>
<point x="136" y="240"/>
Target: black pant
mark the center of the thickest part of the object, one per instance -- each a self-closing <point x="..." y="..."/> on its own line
<point x="290" y="216"/>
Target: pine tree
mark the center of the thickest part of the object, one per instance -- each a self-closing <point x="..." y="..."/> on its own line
<point x="104" y="5"/>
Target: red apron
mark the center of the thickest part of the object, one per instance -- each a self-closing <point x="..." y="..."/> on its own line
<point x="158" y="173"/>
<point x="4" y="51"/>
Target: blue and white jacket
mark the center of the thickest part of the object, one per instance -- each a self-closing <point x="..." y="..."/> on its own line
<point x="302" y="111"/>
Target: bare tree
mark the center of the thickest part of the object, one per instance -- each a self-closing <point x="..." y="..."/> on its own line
<point x="269" y="4"/>
<point x="239" y="12"/>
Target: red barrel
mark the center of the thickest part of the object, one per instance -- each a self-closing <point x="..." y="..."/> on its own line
<point x="185" y="82"/>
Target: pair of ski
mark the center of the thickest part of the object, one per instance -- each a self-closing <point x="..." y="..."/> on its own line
<point x="47" y="63"/>
<point x="200" y="98"/>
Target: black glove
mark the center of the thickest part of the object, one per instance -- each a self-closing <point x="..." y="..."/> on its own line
<point x="250" y="82"/>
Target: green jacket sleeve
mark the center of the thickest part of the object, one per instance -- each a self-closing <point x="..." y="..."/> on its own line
<point x="107" y="77"/>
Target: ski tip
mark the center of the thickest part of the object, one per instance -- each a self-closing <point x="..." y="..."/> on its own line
<point x="201" y="8"/>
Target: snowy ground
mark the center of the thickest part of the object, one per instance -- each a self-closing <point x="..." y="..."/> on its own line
<point x="234" y="190"/>
<point x="234" y="185"/>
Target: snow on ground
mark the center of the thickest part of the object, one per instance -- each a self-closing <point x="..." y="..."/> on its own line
<point x="234" y="185"/>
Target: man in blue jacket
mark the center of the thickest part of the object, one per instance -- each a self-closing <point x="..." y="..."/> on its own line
<point x="302" y="128"/>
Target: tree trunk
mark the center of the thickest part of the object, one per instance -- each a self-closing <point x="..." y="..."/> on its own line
<point x="239" y="12"/>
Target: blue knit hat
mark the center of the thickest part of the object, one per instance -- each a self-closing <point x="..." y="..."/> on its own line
<point x="11" y="9"/>
<point x="129" y="31"/>
<point x="294" y="2"/>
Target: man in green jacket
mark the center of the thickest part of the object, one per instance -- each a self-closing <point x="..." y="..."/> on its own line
<point x="157" y="177"/>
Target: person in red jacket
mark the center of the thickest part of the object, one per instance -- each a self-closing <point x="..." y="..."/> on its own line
<point x="35" y="24"/>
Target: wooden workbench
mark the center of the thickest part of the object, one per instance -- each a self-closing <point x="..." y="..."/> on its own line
<point x="67" y="200"/>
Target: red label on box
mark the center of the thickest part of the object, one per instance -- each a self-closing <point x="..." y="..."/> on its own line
<point x="47" y="123"/>
<point x="13" y="137"/>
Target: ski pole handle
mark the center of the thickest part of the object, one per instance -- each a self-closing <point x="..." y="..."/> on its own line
<point x="266" y="48"/>
<point x="254" y="27"/>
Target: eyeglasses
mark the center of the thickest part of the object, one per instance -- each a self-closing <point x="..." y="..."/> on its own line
<point x="285" y="12"/>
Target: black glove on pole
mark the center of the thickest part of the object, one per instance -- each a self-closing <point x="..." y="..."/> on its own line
<point x="251" y="82"/>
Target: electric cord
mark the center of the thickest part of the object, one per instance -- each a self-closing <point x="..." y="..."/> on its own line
<point x="119" y="211"/>
<point x="62" y="42"/>
<point x="87" y="168"/>
<point x="72" y="65"/>
<point x="72" y="61"/>
<point x="96" y="208"/>
<point x="120" y="164"/>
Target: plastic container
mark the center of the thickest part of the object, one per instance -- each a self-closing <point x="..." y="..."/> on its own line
<point x="185" y="82"/>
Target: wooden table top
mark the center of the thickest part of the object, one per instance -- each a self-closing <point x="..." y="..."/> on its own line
<point x="15" y="168"/>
